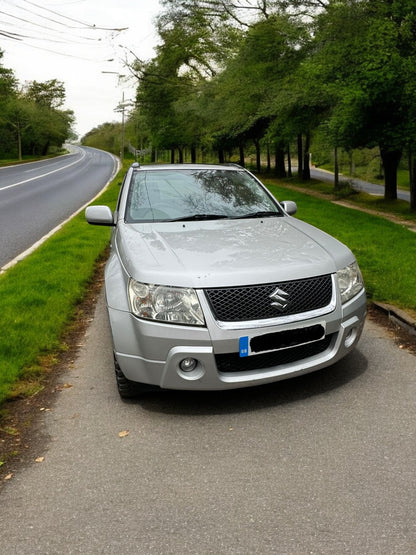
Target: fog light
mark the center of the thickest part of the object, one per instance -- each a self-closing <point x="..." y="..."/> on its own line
<point x="351" y="337"/>
<point x="188" y="364"/>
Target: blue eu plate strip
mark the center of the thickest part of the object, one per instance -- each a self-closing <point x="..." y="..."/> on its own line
<point x="244" y="346"/>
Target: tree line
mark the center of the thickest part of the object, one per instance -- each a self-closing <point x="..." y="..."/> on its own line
<point x="275" y="76"/>
<point x="32" y="121"/>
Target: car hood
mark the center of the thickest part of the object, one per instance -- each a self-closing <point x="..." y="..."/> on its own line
<point x="223" y="253"/>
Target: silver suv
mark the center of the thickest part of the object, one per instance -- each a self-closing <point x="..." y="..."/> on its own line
<point x="213" y="284"/>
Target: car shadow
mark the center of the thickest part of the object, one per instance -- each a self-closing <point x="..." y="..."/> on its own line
<point x="282" y="392"/>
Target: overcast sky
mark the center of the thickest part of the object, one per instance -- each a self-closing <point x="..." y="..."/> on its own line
<point x="73" y="41"/>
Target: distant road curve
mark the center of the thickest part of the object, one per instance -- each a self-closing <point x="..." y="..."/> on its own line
<point x="36" y="197"/>
<point x="358" y="184"/>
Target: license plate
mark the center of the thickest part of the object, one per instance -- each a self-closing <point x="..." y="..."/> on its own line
<point x="279" y="340"/>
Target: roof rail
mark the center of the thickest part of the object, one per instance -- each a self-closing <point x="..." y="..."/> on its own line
<point x="233" y="164"/>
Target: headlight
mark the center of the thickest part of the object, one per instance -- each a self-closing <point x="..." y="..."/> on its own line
<point x="350" y="282"/>
<point x="175" y="305"/>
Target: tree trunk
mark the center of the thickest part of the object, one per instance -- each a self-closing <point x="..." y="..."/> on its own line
<point x="306" y="173"/>
<point x="241" y="151"/>
<point x="289" y="162"/>
<point x="180" y="155"/>
<point x="258" y="157"/>
<point x="19" y="142"/>
<point x="280" y="169"/>
<point x="172" y="155"/>
<point x="300" y="156"/>
<point x="351" y="162"/>
<point x="193" y="155"/>
<point x="391" y="161"/>
<point x="336" y="170"/>
<point x="45" y="149"/>
<point x="412" y="175"/>
<point x="221" y="157"/>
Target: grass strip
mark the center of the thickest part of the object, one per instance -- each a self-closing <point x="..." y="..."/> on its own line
<point x="398" y="207"/>
<point x="40" y="294"/>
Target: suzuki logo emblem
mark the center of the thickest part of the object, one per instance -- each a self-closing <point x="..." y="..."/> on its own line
<point x="280" y="299"/>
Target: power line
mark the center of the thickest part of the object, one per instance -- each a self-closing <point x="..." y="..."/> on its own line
<point x="51" y="37"/>
<point x="33" y="23"/>
<point x="25" y="31"/>
<point x="87" y="25"/>
<point x="10" y="35"/>
<point x="42" y="17"/>
<point x="65" y="54"/>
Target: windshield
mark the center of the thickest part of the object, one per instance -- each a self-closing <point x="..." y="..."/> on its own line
<point x="196" y="194"/>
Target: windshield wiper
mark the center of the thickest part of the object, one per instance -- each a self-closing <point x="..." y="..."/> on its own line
<point x="259" y="214"/>
<point x="196" y="217"/>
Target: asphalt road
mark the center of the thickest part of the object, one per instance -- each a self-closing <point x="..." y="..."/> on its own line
<point x="322" y="464"/>
<point x="358" y="184"/>
<point x="37" y="196"/>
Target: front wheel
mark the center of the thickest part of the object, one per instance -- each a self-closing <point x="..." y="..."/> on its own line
<point x="126" y="388"/>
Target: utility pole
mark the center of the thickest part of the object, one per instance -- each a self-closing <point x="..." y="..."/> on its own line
<point x="122" y="108"/>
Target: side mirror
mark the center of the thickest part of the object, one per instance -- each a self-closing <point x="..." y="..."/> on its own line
<point x="290" y="207"/>
<point x="99" y="215"/>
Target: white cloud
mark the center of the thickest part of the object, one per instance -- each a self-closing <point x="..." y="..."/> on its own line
<point x="58" y="41"/>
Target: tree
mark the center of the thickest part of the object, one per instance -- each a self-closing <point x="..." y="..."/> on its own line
<point x="50" y="94"/>
<point x="18" y="114"/>
<point x="106" y="137"/>
<point x="360" y="59"/>
<point x="30" y="118"/>
<point x="8" y="81"/>
<point x="48" y="128"/>
<point x="159" y="88"/>
<point x="8" y="88"/>
<point x="196" y="36"/>
<point x="192" y="50"/>
<point x="232" y="72"/>
<point x="247" y="97"/>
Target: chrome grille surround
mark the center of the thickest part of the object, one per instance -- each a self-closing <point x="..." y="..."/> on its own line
<point x="252" y="306"/>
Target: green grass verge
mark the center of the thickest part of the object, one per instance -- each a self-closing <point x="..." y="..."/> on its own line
<point x="28" y="158"/>
<point x="399" y="208"/>
<point x="40" y="294"/>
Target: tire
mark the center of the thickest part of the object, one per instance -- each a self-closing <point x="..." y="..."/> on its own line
<point x="126" y="388"/>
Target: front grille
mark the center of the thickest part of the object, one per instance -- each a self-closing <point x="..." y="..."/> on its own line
<point x="232" y="362"/>
<point x="253" y="302"/>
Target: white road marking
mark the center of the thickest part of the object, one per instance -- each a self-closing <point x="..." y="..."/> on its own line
<point x="83" y="154"/>
<point x="42" y="240"/>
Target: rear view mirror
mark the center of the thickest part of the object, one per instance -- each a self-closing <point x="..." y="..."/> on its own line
<point x="290" y="207"/>
<point x="99" y="215"/>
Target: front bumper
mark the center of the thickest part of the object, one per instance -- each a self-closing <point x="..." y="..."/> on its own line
<point x="151" y="353"/>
